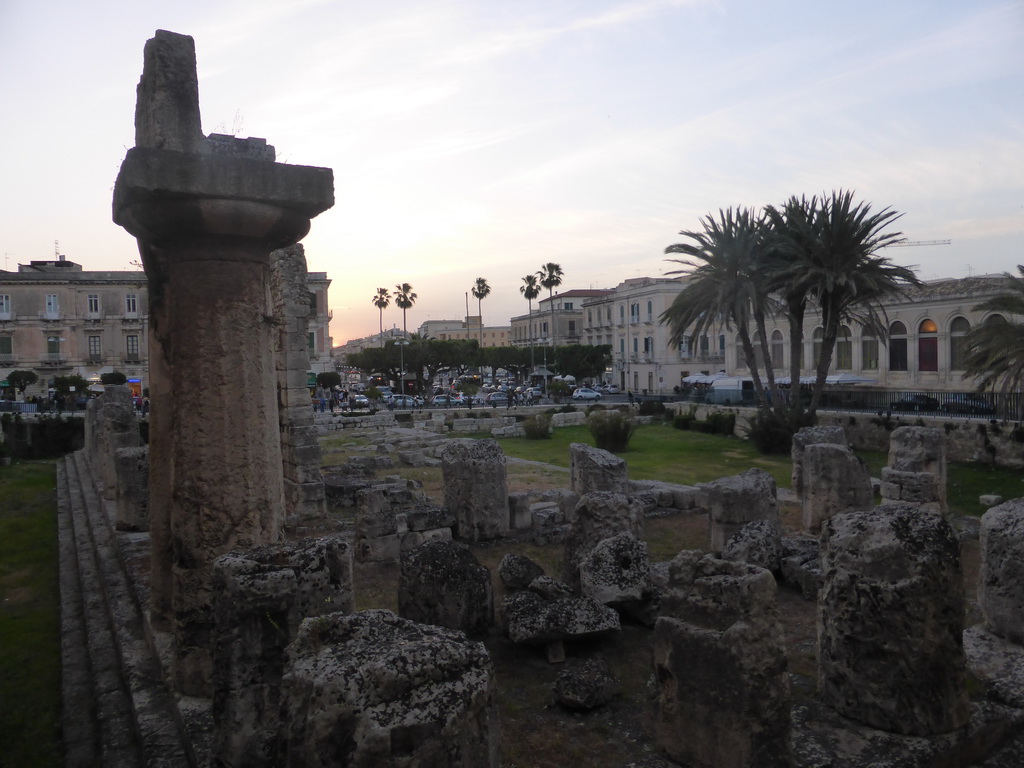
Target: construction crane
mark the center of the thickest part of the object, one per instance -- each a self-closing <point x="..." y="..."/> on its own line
<point x="904" y="243"/>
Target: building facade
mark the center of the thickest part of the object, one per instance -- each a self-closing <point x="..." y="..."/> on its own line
<point x="922" y="350"/>
<point x="470" y="328"/>
<point x="59" y="320"/>
<point x="557" y="320"/>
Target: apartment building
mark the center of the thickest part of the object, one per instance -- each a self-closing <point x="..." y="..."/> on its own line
<point x="58" y="320"/>
<point x="556" y="320"/>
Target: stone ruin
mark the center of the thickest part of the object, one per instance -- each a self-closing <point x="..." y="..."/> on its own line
<point x="720" y="665"/>
<point x="827" y="476"/>
<point x="917" y="467"/>
<point x="267" y="628"/>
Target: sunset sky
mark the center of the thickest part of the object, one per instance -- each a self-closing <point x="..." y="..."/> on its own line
<point x="477" y="138"/>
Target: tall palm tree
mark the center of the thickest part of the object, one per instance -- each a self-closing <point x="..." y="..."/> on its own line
<point x="723" y="288"/>
<point x="530" y="290"/>
<point x="830" y="251"/>
<point x="380" y="300"/>
<point x="480" y="292"/>
<point x="550" y="276"/>
<point x="404" y="299"/>
<point x="995" y="349"/>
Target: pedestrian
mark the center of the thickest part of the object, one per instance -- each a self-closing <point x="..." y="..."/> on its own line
<point x="631" y="398"/>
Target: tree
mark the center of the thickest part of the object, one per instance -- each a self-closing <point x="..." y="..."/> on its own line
<point x="583" y="361"/>
<point x="530" y="290"/>
<point x="724" y="288"/>
<point x="995" y="349"/>
<point x="22" y="380"/>
<point x="114" y="378"/>
<point x="328" y="379"/>
<point x="550" y="276"/>
<point x="66" y="384"/>
<point x="404" y="299"/>
<point x="380" y="300"/>
<point x="480" y="292"/>
<point x="829" y="250"/>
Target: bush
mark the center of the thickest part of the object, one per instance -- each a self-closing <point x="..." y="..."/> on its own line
<point x="51" y="436"/>
<point x="611" y="430"/>
<point x="771" y="433"/>
<point x="684" y="420"/>
<point x="718" y="423"/>
<point x="538" y="427"/>
<point x="652" y="408"/>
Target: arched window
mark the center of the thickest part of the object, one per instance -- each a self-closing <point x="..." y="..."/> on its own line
<point x="650" y="311"/>
<point x="958" y="329"/>
<point x="622" y="313"/>
<point x="816" y="337"/>
<point x="636" y="347"/>
<point x="868" y="350"/>
<point x="897" y="347"/>
<point x="778" y="350"/>
<point x="928" y="346"/>
<point x="622" y="347"/>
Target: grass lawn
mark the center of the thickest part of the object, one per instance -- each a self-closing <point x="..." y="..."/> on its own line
<point x="29" y="616"/>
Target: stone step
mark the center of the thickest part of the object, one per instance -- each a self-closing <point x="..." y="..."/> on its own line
<point x="139" y="718"/>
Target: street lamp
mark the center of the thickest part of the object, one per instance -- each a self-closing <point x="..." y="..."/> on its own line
<point x="401" y="357"/>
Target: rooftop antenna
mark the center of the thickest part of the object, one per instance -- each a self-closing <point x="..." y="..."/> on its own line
<point x="905" y="243"/>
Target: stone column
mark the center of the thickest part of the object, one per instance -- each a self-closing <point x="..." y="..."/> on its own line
<point x="917" y="467"/>
<point x="890" y="621"/>
<point x="1001" y="581"/>
<point x="303" y="481"/>
<point x="207" y="213"/>
<point x="476" y="488"/>
<point x="734" y="501"/>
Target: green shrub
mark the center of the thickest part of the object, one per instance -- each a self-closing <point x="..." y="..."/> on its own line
<point x="538" y="427"/>
<point x="682" y="421"/>
<point x="652" y="408"/>
<point x="770" y="433"/>
<point x="718" y="423"/>
<point x="611" y="430"/>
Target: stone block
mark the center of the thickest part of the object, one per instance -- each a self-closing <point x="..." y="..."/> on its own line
<point x="372" y="689"/>
<point x="617" y="573"/>
<point x="598" y="516"/>
<point x="734" y="501"/>
<point x="733" y="707"/>
<point x="413" y="539"/>
<point x="379" y="550"/>
<point x="834" y="480"/>
<point x="890" y="621"/>
<point x="520" y="517"/>
<point x="132" y="472"/>
<point x="476" y="488"/>
<point x="592" y="469"/>
<point x="804" y="437"/>
<point x="442" y="583"/>
<point x="1001" y="581"/>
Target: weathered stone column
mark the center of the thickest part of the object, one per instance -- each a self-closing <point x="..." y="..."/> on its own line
<point x="917" y="467"/>
<point x="890" y="621"/>
<point x="207" y="213"/>
<point x="734" y="501"/>
<point x="1001" y="581"/>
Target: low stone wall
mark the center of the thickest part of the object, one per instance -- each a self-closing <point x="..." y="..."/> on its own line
<point x="967" y="440"/>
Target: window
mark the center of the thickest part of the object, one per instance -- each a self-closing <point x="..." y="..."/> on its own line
<point x="958" y="329"/>
<point x="5" y="305"/>
<point x="312" y="303"/>
<point x="572" y="328"/>
<point x="52" y="308"/>
<point x="869" y="353"/>
<point x="311" y="342"/>
<point x="590" y="317"/>
<point x="94" y="347"/>
<point x="844" y="350"/>
<point x="705" y="346"/>
<point x="928" y="346"/>
<point x="544" y="329"/>
<point x="94" y="304"/>
<point x="131" y="304"/>
<point x="897" y="347"/>
<point x="53" y="345"/>
<point x="622" y="347"/>
<point x="634" y="313"/>
<point x="567" y="305"/>
<point x="650" y="311"/>
<point x="6" y="345"/>
<point x="622" y="313"/>
<point x="636" y="347"/>
<point x="132" y="346"/>
<point x="778" y="350"/>
<point x="648" y="344"/>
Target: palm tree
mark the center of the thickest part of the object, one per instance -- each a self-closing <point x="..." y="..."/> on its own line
<point x="381" y="299"/>
<point x="404" y="299"/>
<point x="995" y="349"/>
<point x="480" y="292"/>
<point x="550" y="276"/>
<point x="723" y="289"/>
<point x="830" y="252"/>
<point x="530" y="290"/>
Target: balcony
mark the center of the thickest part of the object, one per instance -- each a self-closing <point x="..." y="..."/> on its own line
<point x="131" y="360"/>
<point x="94" y="317"/>
<point x="49" y="315"/>
<point x="94" y="359"/>
<point x="7" y="316"/>
<point x="53" y="360"/>
<point x="7" y="359"/>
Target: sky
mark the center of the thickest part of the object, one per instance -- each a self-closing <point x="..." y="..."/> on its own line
<point x="478" y="138"/>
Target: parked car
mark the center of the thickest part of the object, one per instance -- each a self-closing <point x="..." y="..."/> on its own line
<point x="962" y="403"/>
<point x="586" y="393"/>
<point x="916" y="403"/>
<point x="443" y="401"/>
<point x="609" y="389"/>
<point x="405" y="401"/>
<point x="360" y="401"/>
<point x="497" y="398"/>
